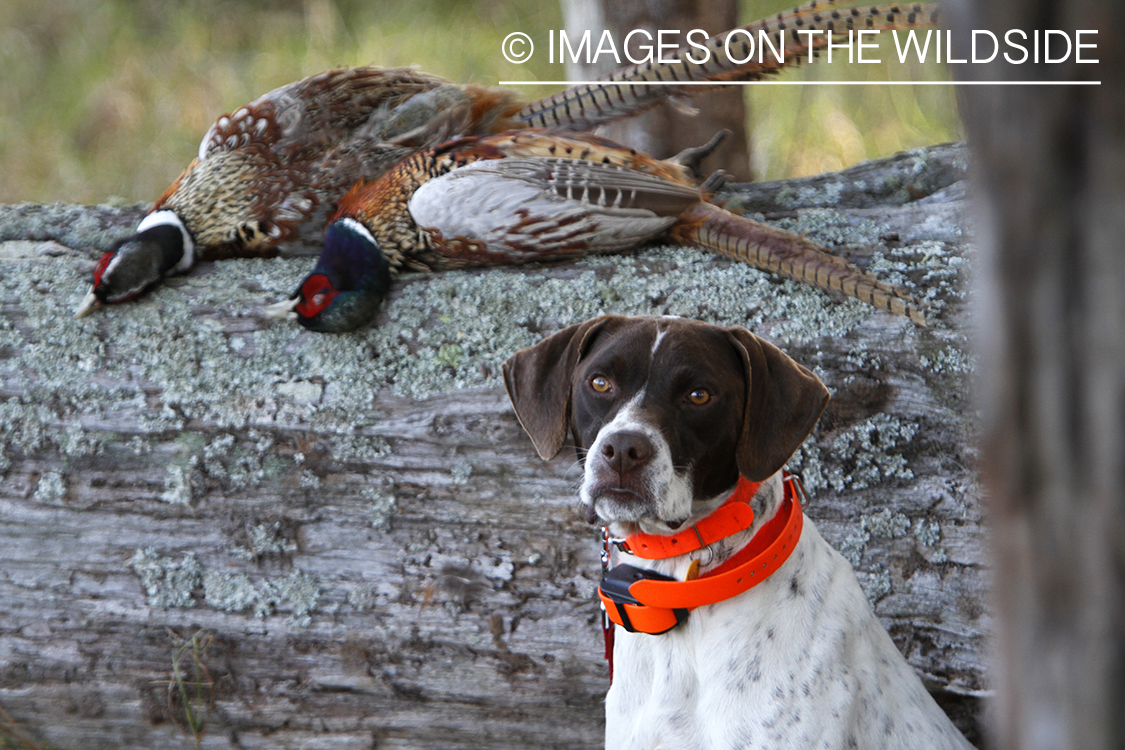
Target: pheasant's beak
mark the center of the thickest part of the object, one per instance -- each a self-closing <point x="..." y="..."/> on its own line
<point x="283" y="310"/>
<point x="88" y="304"/>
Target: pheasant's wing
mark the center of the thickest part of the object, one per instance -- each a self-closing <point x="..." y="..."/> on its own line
<point x="525" y="209"/>
<point x="599" y="184"/>
<point x="317" y="112"/>
<point x="536" y="143"/>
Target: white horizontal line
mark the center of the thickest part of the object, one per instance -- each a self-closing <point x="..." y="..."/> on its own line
<point x="801" y="83"/>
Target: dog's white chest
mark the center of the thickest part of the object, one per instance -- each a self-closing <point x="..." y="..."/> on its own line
<point x="799" y="661"/>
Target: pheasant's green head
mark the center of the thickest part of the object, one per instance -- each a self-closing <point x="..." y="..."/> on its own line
<point x="346" y="287"/>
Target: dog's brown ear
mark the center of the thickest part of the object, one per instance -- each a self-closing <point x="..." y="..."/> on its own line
<point x="783" y="402"/>
<point x="538" y="380"/>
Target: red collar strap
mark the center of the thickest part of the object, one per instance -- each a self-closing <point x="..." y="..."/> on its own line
<point x="644" y="601"/>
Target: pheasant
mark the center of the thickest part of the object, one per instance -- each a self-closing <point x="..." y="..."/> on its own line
<point x="539" y="195"/>
<point x="269" y="173"/>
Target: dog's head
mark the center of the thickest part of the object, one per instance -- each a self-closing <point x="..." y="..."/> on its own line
<point x="667" y="412"/>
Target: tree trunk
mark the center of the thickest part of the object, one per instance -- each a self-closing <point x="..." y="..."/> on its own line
<point x="216" y="525"/>
<point x="1049" y="165"/>
<point x="665" y="130"/>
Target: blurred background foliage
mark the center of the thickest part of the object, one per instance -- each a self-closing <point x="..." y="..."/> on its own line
<point x="108" y="100"/>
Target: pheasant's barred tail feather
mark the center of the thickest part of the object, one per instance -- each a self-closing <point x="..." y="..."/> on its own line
<point x="788" y="254"/>
<point x="624" y="92"/>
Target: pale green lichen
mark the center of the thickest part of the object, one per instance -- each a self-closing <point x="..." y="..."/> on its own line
<point x="886" y="523"/>
<point x="214" y="451"/>
<point x="460" y="472"/>
<point x="235" y="460"/>
<point x="827" y="193"/>
<point x="876" y="585"/>
<point x="172" y="583"/>
<point x="167" y="582"/>
<point x="362" y="598"/>
<point x="854" y="545"/>
<point x="882" y="523"/>
<point x="229" y="592"/>
<point x="139" y="446"/>
<point x="867" y="454"/>
<point x="381" y="506"/>
<point x="872" y="452"/>
<point x="24" y="424"/>
<point x="449" y="355"/>
<point x="828" y="227"/>
<point x="76" y="442"/>
<point x="362" y="448"/>
<point x="927" y="531"/>
<point x="950" y="359"/>
<point x="218" y="447"/>
<point x="269" y="539"/>
<point x="177" y="486"/>
<point x="895" y="180"/>
<point x="298" y="592"/>
<point x="932" y="271"/>
<point x="862" y="359"/>
<point x="236" y="592"/>
<point x="51" y="487"/>
<point x="806" y="462"/>
<point x="301" y="391"/>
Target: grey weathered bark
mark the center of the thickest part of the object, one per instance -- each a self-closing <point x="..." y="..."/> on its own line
<point x="665" y="130"/>
<point x="1049" y="166"/>
<point x="369" y="549"/>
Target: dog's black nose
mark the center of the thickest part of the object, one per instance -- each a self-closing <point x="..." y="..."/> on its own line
<point x="627" y="451"/>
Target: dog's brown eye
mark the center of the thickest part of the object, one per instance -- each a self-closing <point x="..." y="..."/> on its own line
<point x="699" y="396"/>
<point x="599" y="383"/>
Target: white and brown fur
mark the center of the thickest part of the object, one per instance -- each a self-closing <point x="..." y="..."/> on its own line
<point x="799" y="661"/>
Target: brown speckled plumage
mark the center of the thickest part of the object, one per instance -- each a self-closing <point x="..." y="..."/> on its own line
<point x="268" y="171"/>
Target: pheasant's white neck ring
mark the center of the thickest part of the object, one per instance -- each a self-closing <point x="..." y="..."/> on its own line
<point x="169" y="218"/>
<point x="354" y="226"/>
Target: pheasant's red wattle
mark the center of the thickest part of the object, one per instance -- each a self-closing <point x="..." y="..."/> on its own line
<point x="316" y="294"/>
<point x="100" y="268"/>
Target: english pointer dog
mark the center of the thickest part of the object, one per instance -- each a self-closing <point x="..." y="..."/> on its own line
<point x="737" y="625"/>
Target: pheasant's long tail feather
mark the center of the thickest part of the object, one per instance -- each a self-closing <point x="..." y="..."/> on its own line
<point x="795" y="34"/>
<point x="769" y="248"/>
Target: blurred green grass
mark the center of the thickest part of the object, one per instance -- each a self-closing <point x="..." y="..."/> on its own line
<point x="110" y="99"/>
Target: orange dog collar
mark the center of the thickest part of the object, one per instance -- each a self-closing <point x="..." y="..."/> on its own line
<point x="644" y="601"/>
<point x="733" y="516"/>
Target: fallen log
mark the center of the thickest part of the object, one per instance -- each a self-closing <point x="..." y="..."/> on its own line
<point x="216" y="527"/>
